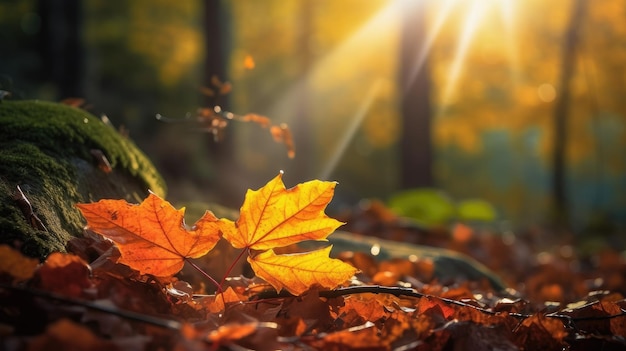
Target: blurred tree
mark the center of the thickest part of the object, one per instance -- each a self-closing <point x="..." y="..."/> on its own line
<point x="302" y="124"/>
<point x="416" y="144"/>
<point x="216" y="22"/>
<point x="61" y="46"/>
<point x="561" y="114"/>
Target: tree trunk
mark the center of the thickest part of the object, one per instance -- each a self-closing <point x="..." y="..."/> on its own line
<point x="301" y="165"/>
<point x="61" y="47"/>
<point x="222" y="151"/>
<point x="416" y="144"/>
<point x="561" y="113"/>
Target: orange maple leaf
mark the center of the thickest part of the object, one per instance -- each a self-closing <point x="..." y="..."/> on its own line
<point x="274" y="217"/>
<point x="152" y="237"/>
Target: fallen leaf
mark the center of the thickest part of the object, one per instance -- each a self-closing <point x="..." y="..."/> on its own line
<point x="152" y="237"/>
<point x="540" y="330"/>
<point x="435" y="307"/>
<point x="274" y="216"/>
<point x="218" y="302"/>
<point x="299" y="272"/>
<point x="228" y="333"/>
<point x="360" y="337"/>
<point x="67" y="335"/>
<point x="314" y="311"/>
<point x="16" y="265"/>
<point x="479" y="337"/>
<point x="359" y="309"/>
<point x="65" y="274"/>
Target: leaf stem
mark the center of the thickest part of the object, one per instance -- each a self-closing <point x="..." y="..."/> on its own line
<point x="232" y="266"/>
<point x="206" y="275"/>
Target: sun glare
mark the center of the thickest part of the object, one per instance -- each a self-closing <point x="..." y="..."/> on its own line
<point x="432" y="33"/>
<point x="472" y="15"/>
<point x="354" y="59"/>
<point x="472" y="20"/>
<point x="356" y="62"/>
<point x="507" y="15"/>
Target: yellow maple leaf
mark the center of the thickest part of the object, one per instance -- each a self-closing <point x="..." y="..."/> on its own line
<point x="299" y="272"/>
<point x="152" y="237"/>
<point x="275" y="217"/>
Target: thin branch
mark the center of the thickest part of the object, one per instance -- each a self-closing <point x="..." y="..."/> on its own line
<point x="410" y="292"/>
<point x="138" y="317"/>
<point x="378" y="289"/>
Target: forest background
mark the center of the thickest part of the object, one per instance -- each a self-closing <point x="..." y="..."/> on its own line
<point x="494" y="87"/>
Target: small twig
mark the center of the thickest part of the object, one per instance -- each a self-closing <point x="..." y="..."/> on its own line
<point x="27" y="210"/>
<point x="378" y="289"/>
<point x="138" y="317"/>
<point x="410" y="292"/>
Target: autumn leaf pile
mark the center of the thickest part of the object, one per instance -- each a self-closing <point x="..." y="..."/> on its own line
<point x="140" y="279"/>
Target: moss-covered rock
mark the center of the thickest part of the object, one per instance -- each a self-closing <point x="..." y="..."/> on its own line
<point x="448" y="265"/>
<point x="47" y="150"/>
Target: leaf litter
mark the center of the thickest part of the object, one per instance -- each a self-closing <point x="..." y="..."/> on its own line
<point x="123" y="286"/>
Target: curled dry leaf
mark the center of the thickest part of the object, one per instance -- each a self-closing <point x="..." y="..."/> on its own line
<point x="27" y="210"/>
<point x="103" y="162"/>
<point x="360" y="337"/>
<point x="65" y="274"/>
<point x="282" y="134"/>
<point x="227" y="333"/>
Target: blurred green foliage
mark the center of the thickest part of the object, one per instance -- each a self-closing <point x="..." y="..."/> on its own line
<point x="434" y="208"/>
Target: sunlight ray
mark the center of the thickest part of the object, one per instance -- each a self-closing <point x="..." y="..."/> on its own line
<point x="364" y="42"/>
<point x="355" y="122"/>
<point x="507" y="15"/>
<point x="361" y="42"/>
<point x="432" y="34"/>
<point x="469" y="27"/>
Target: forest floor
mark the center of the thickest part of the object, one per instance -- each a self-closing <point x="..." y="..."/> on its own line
<point x="560" y="298"/>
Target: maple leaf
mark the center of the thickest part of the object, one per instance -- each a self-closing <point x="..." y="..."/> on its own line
<point x="299" y="272"/>
<point x="275" y="217"/>
<point x="151" y="236"/>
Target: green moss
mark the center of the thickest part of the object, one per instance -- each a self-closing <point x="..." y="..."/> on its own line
<point x="61" y="131"/>
<point x="45" y="149"/>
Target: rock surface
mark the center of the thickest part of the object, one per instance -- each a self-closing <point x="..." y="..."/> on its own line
<point x="449" y="265"/>
<point x="57" y="155"/>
